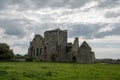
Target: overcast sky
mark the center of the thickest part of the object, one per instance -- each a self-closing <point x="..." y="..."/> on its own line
<point x="96" y="21"/>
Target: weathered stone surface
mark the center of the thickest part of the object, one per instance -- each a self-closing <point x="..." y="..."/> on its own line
<point x="56" y="42"/>
<point x="75" y="46"/>
<point x="85" y="54"/>
<point x="74" y="50"/>
<point x="36" y="47"/>
<point x="54" y="47"/>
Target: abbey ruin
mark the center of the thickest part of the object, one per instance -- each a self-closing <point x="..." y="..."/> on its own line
<point x="54" y="47"/>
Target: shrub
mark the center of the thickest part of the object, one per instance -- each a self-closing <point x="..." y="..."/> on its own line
<point x="30" y="59"/>
<point x="6" y="54"/>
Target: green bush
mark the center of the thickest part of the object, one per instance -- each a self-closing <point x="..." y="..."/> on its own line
<point x="30" y="59"/>
<point x="6" y="54"/>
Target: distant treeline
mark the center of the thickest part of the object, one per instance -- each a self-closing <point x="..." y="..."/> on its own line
<point x="109" y="61"/>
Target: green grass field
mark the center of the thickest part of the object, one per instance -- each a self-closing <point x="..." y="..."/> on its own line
<point x="58" y="71"/>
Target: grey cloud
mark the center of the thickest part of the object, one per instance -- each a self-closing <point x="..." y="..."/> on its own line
<point x="113" y="32"/>
<point x="13" y="27"/>
<point x="88" y="30"/>
<point x="21" y="4"/>
<point x="112" y="15"/>
<point x="41" y="28"/>
<point x="36" y="4"/>
<point x="84" y="30"/>
<point x="91" y="31"/>
<point x="108" y="3"/>
<point x="59" y="3"/>
<point x="24" y="45"/>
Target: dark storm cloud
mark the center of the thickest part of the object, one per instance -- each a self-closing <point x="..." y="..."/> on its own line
<point x="112" y="15"/>
<point x="108" y="3"/>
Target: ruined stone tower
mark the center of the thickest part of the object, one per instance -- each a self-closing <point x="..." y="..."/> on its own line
<point x="55" y="43"/>
<point x="54" y="47"/>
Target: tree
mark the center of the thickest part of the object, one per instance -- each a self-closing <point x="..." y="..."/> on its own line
<point x="19" y="56"/>
<point x="5" y="52"/>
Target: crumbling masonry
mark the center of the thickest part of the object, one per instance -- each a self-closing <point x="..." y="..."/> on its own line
<point x="54" y="47"/>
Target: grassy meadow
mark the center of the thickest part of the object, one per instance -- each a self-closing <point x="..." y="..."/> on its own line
<point x="58" y="71"/>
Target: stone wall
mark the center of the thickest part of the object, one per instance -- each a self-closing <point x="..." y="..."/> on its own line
<point x="85" y="54"/>
<point x="36" y="48"/>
